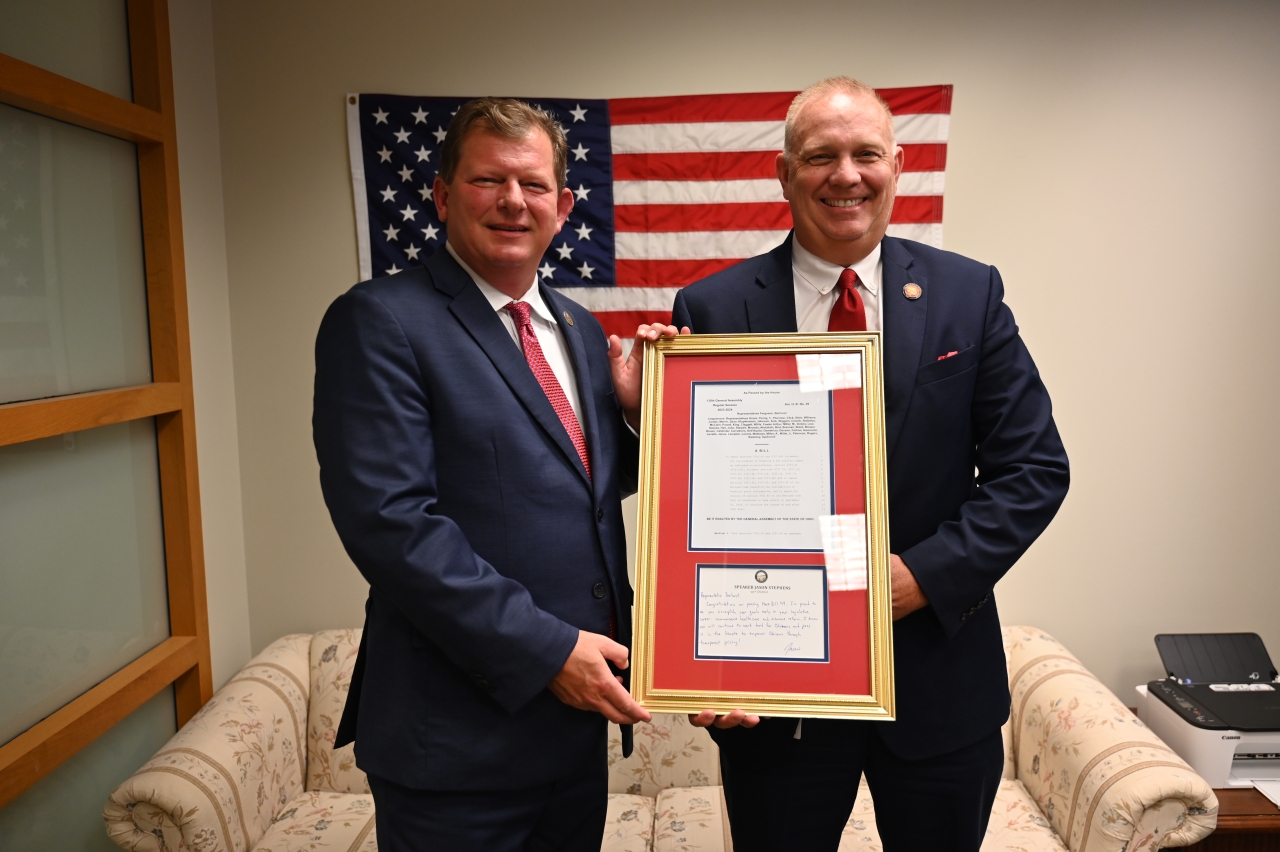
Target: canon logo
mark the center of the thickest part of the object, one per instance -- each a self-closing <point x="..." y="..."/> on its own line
<point x="1226" y="737"/>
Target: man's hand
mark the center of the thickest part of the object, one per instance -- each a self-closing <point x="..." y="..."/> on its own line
<point x="907" y="594"/>
<point x="628" y="372"/>
<point x="585" y="681"/>
<point x="733" y="719"/>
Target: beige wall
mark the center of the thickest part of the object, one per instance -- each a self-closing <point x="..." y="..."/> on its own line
<point x="200" y="166"/>
<point x="1115" y="161"/>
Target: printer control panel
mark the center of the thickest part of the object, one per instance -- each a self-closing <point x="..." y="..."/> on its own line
<point x="1197" y="715"/>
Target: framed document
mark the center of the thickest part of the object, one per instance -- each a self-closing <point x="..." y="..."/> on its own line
<point x="763" y="562"/>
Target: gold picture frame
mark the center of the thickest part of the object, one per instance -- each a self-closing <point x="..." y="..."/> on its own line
<point x="875" y="702"/>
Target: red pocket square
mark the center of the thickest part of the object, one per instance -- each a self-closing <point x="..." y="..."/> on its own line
<point x="950" y="354"/>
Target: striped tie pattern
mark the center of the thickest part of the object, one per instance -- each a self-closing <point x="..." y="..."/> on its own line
<point x="520" y="312"/>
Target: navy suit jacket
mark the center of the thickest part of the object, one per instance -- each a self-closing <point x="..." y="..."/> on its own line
<point x="459" y="496"/>
<point x="983" y="408"/>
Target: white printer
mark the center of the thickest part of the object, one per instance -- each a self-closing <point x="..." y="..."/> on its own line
<point x="1219" y="709"/>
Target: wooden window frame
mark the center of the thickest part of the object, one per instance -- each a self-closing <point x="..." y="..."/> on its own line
<point x="183" y="659"/>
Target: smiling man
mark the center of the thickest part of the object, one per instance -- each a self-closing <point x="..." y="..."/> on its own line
<point x="469" y="425"/>
<point x="961" y="395"/>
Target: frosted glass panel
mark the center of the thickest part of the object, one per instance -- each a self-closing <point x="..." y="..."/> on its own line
<point x="73" y="300"/>
<point x="86" y="40"/>
<point x="82" y="576"/>
<point x="64" y="809"/>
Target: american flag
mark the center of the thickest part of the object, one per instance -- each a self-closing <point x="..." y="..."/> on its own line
<point x="666" y="190"/>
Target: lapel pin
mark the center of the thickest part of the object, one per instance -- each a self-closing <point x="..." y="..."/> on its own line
<point x="568" y="317"/>
<point x="911" y="291"/>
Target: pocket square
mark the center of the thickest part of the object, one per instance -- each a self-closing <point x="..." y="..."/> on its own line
<point x="953" y="353"/>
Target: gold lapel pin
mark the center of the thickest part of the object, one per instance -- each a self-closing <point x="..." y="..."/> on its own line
<point x="911" y="291"/>
<point x="568" y="317"/>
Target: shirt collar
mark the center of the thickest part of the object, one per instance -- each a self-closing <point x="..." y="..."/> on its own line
<point x="498" y="299"/>
<point x="822" y="275"/>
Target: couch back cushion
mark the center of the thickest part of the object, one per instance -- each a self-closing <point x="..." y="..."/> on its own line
<point x="333" y="658"/>
<point x="669" y="752"/>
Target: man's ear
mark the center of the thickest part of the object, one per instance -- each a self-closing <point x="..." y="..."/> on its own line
<point x="440" y="195"/>
<point x="899" y="160"/>
<point x="784" y="173"/>
<point x="564" y="204"/>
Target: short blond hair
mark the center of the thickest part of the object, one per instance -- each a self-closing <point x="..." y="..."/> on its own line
<point x="831" y="85"/>
<point x="507" y="117"/>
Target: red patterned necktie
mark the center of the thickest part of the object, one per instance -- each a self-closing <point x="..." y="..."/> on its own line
<point x="848" y="314"/>
<point x="542" y="371"/>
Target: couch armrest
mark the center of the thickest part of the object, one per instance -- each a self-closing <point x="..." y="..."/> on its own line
<point x="217" y="785"/>
<point x="1103" y="780"/>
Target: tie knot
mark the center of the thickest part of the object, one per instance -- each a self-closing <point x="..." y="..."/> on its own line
<point x="518" y="310"/>
<point x="848" y="279"/>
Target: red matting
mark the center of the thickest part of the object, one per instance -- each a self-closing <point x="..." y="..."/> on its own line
<point x="674" y="666"/>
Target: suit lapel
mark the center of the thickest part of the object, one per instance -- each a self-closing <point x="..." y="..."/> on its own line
<point x="904" y="324"/>
<point x="478" y="317"/>
<point x="581" y="372"/>
<point x="772" y="308"/>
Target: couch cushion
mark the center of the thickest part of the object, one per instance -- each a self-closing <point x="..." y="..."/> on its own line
<point x="318" y="821"/>
<point x="333" y="658"/>
<point x="628" y="825"/>
<point x="669" y="752"/>
<point x="1016" y="824"/>
<point x="691" y="818"/>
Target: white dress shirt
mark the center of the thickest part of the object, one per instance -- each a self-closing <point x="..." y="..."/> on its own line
<point x="815" y="282"/>
<point x="545" y="328"/>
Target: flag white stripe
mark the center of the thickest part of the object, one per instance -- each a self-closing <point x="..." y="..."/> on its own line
<point x="921" y="183"/>
<point x="596" y="299"/>
<point x="694" y="245"/>
<point x="742" y="191"/>
<point x="697" y="136"/>
<point x="712" y="136"/>
<point x="921" y="127"/>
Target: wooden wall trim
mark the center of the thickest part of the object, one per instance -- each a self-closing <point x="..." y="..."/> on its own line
<point x="44" y="418"/>
<point x="183" y="660"/>
<point x="39" y="750"/>
<point x="171" y="346"/>
<point x="31" y="88"/>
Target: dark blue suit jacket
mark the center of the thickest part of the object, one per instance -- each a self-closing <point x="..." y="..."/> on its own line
<point x="982" y="408"/>
<point x="460" y="498"/>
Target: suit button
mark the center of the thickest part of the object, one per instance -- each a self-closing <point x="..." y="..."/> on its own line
<point x="600" y="515"/>
<point x="598" y="590"/>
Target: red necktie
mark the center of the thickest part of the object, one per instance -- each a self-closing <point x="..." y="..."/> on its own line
<point x="542" y="372"/>
<point x="848" y="314"/>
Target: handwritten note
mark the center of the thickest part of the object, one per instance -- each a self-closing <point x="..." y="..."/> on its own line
<point x="762" y="612"/>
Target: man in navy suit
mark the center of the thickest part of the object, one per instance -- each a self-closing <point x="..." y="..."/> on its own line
<point x="469" y="424"/>
<point x="961" y="395"/>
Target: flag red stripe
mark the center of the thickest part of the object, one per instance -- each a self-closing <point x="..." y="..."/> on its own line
<point x="760" y="106"/>
<point x="657" y="218"/>
<point x="763" y="106"/>
<point x="915" y="99"/>
<point x="710" y="166"/>
<point x="745" y="165"/>
<point x="924" y="157"/>
<point x="667" y="273"/>
<point x="624" y="323"/>
<point x="916" y="209"/>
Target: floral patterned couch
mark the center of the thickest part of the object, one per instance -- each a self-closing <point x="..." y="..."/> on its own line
<point x="255" y="770"/>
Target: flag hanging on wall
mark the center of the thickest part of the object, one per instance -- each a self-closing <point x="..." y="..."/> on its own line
<point x="666" y="190"/>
